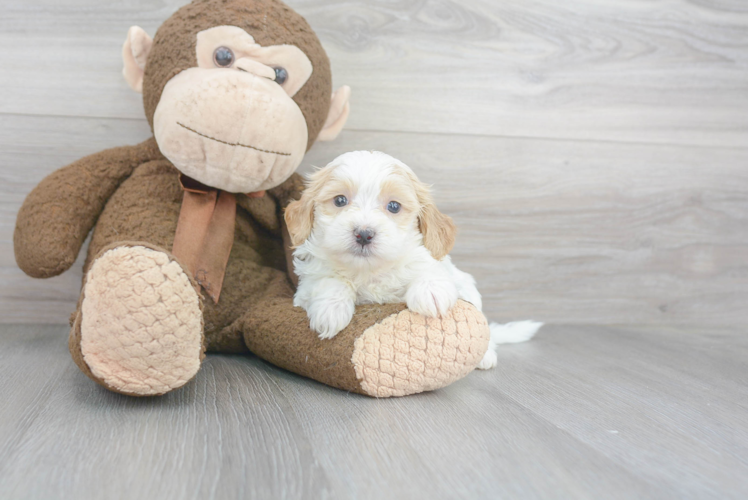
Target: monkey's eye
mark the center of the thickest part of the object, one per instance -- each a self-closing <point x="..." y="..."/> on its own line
<point x="340" y="201"/>
<point x="223" y="57"/>
<point x="281" y="75"/>
<point x="393" y="207"/>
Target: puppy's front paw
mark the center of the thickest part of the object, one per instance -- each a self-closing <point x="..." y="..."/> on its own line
<point x="431" y="298"/>
<point x="329" y="317"/>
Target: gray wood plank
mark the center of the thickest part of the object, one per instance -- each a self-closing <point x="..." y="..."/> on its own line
<point x="85" y="442"/>
<point x="659" y="72"/>
<point x="560" y="231"/>
<point x="582" y="412"/>
<point x="664" y="403"/>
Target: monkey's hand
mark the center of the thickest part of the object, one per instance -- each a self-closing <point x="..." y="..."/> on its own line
<point x="58" y="214"/>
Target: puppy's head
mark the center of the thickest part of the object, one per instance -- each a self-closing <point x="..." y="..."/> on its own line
<point x="367" y="207"/>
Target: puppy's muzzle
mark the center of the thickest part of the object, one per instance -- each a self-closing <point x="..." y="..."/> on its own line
<point x="363" y="236"/>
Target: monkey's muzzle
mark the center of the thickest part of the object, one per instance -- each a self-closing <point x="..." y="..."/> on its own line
<point x="230" y="130"/>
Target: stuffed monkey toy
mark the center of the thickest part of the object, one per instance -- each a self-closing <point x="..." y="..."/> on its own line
<point x="189" y="252"/>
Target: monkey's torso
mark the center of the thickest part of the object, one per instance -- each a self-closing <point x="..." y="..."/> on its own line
<point x="145" y="209"/>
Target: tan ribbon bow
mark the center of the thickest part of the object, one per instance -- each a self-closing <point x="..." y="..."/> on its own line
<point x="205" y="233"/>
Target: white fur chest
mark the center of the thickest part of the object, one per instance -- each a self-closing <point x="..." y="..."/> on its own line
<point x="370" y="284"/>
<point x="380" y="288"/>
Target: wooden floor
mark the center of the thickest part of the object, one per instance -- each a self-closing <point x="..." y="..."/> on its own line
<point x="580" y="412"/>
<point x="594" y="155"/>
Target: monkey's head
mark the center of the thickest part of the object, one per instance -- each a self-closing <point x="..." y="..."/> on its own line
<point x="235" y="91"/>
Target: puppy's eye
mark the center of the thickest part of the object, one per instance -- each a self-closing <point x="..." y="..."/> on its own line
<point x="393" y="207"/>
<point x="340" y="201"/>
<point x="223" y="57"/>
<point x="281" y="75"/>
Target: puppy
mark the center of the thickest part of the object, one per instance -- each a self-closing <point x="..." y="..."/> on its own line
<point x="366" y="230"/>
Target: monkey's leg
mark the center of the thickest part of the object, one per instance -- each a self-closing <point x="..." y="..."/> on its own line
<point x="386" y="350"/>
<point x="138" y="329"/>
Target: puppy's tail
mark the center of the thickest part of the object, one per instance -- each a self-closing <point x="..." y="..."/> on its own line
<point x="514" y="332"/>
<point x="508" y="333"/>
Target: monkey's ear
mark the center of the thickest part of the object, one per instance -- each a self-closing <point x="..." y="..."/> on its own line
<point x="299" y="217"/>
<point x="134" y="54"/>
<point x="338" y="114"/>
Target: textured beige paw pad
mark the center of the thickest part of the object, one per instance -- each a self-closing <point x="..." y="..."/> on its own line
<point x="141" y="327"/>
<point x="407" y="353"/>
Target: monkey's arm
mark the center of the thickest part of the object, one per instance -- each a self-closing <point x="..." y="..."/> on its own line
<point x="58" y="214"/>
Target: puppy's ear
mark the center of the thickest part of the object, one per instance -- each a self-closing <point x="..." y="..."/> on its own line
<point x="299" y="216"/>
<point x="438" y="230"/>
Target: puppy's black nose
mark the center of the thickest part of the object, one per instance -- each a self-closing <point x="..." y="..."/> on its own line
<point x="364" y="236"/>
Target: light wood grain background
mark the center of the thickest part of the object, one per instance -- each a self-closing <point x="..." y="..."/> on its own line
<point x="594" y="154"/>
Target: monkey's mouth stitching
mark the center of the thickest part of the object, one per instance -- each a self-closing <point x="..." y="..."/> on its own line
<point x="232" y="143"/>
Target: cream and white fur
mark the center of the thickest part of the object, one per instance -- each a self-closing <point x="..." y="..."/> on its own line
<point x="405" y="260"/>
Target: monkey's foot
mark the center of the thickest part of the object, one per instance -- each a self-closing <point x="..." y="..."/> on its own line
<point x="407" y="353"/>
<point x="139" y="329"/>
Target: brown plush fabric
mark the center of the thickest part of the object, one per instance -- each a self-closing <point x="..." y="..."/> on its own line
<point x="58" y="214"/>
<point x="270" y="22"/>
<point x="145" y="209"/>
<point x="278" y="332"/>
